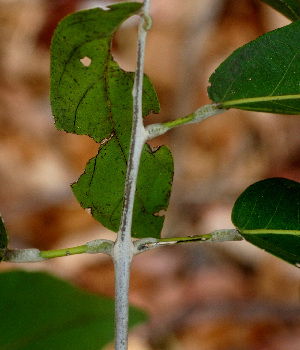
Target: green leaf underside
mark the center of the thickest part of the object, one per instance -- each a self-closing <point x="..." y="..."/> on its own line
<point x="96" y="100"/>
<point x="263" y="75"/>
<point x="42" y="312"/>
<point x="267" y="214"/>
<point x="289" y="8"/>
<point x="3" y="239"/>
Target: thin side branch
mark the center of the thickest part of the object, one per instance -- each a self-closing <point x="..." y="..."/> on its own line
<point x="103" y="246"/>
<point x="224" y="235"/>
<point x="198" y="116"/>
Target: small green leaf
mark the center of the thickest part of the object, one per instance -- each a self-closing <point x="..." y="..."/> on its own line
<point x="95" y="99"/>
<point x="289" y="8"/>
<point x="86" y="96"/>
<point x="101" y="189"/>
<point x="263" y="75"/>
<point x="39" y="311"/>
<point x="267" y="214"/>
<point x="3" y="239"/>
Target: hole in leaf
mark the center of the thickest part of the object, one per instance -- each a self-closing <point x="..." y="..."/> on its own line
<point x="86" y="61"/>
<point x="89" y="210"/>
<point x="105" y="140"/>
<point x="160" y="213"/>
<point x="155" y="149"/>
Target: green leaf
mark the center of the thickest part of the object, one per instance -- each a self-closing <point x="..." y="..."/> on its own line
<point x="96" y="100"/>
<point x="289" y="8"/>
<point x="267" y="214"/>
<point x="101" y="188"/>
<point x="84" y="98"/>
<point x="263" y="75"/>
<point x="3" y="239"/>
<point x="39" y="311"/>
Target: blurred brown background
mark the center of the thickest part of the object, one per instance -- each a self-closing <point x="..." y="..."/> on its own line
<point x="229" y="296"/>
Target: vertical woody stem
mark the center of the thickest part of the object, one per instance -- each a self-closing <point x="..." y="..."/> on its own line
<point x="124" y="248"/>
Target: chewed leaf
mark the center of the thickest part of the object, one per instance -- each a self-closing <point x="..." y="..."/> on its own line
<point x="289" y="8"/>
<point x="263" y="75"/>
<point x="85" y="97"/>
<point x="91" y="95"/>
<point x="267" y="214"/>
<point x="3" y="239"/>
<point x="101" y="188"/>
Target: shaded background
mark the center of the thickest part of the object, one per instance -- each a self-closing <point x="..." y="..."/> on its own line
<point x="227" y="296"/>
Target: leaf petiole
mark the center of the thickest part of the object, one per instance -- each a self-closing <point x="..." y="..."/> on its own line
<point x="198" y="116"/>
<point x="35" y="255"/>
<point x="223" y="235"/>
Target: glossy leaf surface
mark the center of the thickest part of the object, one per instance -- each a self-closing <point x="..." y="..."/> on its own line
<point x="289" y="8"/>
<point x="267" y="215"/>
<point x="263" y="75"/>
<point x="42" y="312"/>
<point x="92" y="95"/>
<point x="3" y="239"/>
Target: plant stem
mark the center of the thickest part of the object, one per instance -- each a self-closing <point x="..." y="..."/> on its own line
<point x="200" y="114"/>
<point x="216" y="236"/>
<point x="105" y="246"/>
<point x="124" y="248"/>
<point x="35" y="255"/>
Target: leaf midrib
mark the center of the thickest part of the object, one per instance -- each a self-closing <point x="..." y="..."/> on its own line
<point x="270" y="231"/>
<point x="241" y="101"/>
